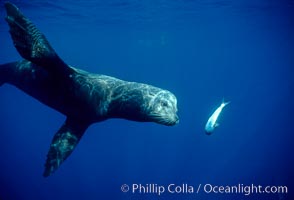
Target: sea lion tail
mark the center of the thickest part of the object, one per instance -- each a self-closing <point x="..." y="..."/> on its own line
<point x="31" y="43"/>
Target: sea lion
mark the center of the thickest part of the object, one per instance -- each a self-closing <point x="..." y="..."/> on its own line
<point x="83" y="97"/>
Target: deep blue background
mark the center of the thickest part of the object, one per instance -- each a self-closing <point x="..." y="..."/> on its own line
<point x="202" y="51"/>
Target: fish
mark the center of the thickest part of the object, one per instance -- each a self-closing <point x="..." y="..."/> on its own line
<point x="211" y="123"/>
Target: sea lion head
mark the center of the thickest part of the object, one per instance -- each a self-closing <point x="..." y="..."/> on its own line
<point x="142" y="102"/>
<point x="162" y="108"/>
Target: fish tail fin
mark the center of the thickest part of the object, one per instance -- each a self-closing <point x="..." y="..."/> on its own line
<point x="225" y="102"/>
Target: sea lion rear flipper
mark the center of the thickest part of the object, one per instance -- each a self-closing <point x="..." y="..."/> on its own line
<point x="31" y="43"/>
<point x="63" y="143"/>
<point x="6" y="71"/>
<point x="2" y="74"/>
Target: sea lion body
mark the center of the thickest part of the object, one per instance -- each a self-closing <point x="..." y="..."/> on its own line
<point x="84" y="98"/>
<point x="83" y="95"/>
<point x="74" y="97"/>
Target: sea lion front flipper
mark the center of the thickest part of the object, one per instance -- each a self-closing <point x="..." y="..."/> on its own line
<point x="31" y="43"/>
<point x="63" y="143"/>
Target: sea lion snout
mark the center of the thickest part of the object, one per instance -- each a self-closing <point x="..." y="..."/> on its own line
<point x="164" y="109"/>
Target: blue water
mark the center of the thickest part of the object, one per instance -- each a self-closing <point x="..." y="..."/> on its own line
<point x="202" y="51"/>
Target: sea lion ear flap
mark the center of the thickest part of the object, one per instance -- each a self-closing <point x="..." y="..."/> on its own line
<point x="63" y="143"/>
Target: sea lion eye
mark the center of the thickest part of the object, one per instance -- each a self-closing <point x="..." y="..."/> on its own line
<point x="164" y="103"/>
